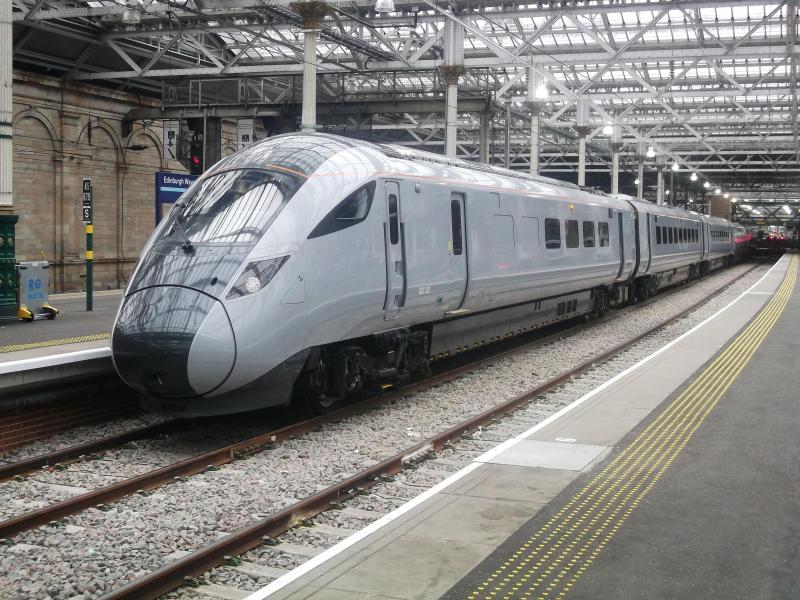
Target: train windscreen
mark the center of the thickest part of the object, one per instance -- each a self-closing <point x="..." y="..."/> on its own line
<point x="230" y="208"/>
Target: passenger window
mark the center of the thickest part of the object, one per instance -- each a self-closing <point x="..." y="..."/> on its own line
<point x="394" y="220"/>
<point x="588" y="234"/>
<point x="350" y="211"/>
<point x="658" y="234"/>
<point x="573" y="240"/>
<point x="670" y="230"/>
<point x="602" y="233"/>
<point x="552" y="233"/>
<point x="455" y="220"/>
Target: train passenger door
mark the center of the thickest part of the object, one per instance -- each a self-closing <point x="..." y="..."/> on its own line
<point x="649" y="244"/>
<point x="458" y="266"/>
<point x="395" y="253"/>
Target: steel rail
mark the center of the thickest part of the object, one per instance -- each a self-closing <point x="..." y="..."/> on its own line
<point x="87" y="448"/>
<point x="173" y="575"/>
<point x="226" y="454"/>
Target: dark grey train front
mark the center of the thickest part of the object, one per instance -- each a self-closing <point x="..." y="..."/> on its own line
<point x="308" y="266"/>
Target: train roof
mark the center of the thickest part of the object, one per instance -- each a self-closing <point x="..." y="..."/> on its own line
<point x="305" y="152"/>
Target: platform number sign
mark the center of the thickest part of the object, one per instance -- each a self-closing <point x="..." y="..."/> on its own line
<point x="87" y="201"/>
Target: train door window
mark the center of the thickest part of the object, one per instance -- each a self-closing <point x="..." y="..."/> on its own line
<point x="588" y="234"/>
<point x="455" y="220"/>
<point x="602" y="233"/>
<point x="658" y="234"/>
<point x="394" y="220"/>
<point x="552" y="233"/>
<point x="573" y="239"/>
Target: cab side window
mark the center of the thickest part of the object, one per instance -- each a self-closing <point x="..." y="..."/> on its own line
<point x="350" y="211"/>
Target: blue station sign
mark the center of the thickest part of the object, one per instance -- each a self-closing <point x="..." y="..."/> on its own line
<point x="170" y="187"/>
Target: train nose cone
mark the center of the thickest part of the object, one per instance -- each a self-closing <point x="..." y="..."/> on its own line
<point x="173" y="342"/>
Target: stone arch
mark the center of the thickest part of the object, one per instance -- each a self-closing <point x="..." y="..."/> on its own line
<point x="36" y="115"/>
<point x="147" y="132"/>
<point x="105" y="126"/>
<point x="34" y="182"/>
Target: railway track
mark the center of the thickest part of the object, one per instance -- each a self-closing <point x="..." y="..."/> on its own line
<point x="188" y="570"/>
<point x="200" y="462"/>
<point x="173" y="575"/>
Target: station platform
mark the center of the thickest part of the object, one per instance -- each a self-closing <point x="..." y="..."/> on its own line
<point x="676" y="478"/>
<point x="72" y="330"/>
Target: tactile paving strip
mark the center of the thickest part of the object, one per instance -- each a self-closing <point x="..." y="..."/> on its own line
<point x="59" y="342"/>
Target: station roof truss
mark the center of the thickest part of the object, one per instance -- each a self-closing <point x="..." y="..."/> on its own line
<point x="710" y="84"/>
<point x="766" y="212"/>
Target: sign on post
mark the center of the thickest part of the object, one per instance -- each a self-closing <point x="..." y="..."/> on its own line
<point x="169" y="140"/>
<point x="86" y="214"/>
<point x="170" y="187"/>
<point x="88" y="221"/>
<point x="245" y="130"/>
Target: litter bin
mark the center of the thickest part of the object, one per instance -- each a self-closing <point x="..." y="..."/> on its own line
<point x="34" y="282"/>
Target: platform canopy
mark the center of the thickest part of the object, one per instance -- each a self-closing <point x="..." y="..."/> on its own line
<point x="711" y="85"/>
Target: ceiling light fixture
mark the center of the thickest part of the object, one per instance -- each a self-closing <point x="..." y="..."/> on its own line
<point x="651" y="152"/>
<point x="131" y="15"/>
<point x="693" y="177"/>
<point x="676" y="167"/>
<point x="717" y="191"/>
<point x="608" y="129"/>
<point x="384" y="6"/>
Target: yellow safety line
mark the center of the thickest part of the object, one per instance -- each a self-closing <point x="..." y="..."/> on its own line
<point x="550" y="562"/>
<point x="46" y="344"/>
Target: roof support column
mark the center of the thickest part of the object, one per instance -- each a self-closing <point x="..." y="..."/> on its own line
<point x="483" y="145"/>
<point x="451" y="74"/>
<point x="6" y="109"/>
<point x="312" y="12"/>
<point x="640" y="172"/>
<point x="640" y="179"/>
<point x="660" y="163"/>
<point x="537" y="96"/>
<point x="8" y="300"/>
<point x="451" y="70"/>
<point x="616" y="145"/>
<point x="582" y="130"/>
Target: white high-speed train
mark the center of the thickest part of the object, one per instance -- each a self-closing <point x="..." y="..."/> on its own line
<point x="308" y="266"/>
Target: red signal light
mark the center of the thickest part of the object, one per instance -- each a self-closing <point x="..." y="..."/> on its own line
<point x="195" y="160"/>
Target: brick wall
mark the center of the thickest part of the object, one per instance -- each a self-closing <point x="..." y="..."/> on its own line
<point x="33" y="423"/>
<point x="64" y="131"/>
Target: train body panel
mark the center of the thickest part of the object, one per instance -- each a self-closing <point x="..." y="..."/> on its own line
<point x="313" y="259"/>
<point x="670" y="237"/>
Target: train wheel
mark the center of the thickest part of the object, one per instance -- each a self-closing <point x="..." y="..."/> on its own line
<point x="320" y="404"/>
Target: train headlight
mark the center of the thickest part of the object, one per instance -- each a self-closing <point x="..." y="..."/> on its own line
<point x="256" y="276"/>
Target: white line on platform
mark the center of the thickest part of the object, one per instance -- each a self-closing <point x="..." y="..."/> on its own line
<point x="53" y="360"/>
<point x="333" y="551"/>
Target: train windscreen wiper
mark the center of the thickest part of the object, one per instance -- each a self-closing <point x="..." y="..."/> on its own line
<point x="187" y="245"/>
